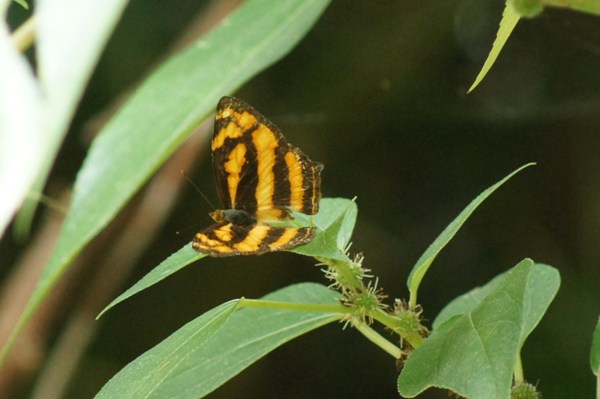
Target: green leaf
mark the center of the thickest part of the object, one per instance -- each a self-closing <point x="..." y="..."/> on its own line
<point x="467" y="302"/>
<point x="420" y="268"/>
<point x="335" y="221"/>
<point x="474" y="352"/>
<point x="331" y="209"/>
<point x="147" y="372"/>
<point x="595" y="352"/>
<point x="163" y="112"/>
<point x="509" y="20"/>
<point x="191" y="364"/>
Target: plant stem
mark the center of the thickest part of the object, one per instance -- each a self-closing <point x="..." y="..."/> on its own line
<point x="295" y="306"/>
<point x="518" y="373"/>
<point x="378" y="340"/>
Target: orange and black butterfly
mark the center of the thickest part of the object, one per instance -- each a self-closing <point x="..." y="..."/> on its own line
<point x="260" y="179"/>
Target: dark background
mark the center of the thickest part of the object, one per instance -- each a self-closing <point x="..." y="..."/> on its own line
<point x="377" y="92"/>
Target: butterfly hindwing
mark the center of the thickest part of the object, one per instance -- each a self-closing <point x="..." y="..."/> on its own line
<point x="228" y="239"/>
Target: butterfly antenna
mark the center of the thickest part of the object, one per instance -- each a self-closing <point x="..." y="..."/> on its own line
<point x="197" y="189"/>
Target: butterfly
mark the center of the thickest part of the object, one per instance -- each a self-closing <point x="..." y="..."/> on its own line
<point x="261" y="179"/>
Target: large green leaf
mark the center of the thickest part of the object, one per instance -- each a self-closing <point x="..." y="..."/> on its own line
<point x="474" y="352"/>
<point x="164" y="111"/>
<point x="420" y="268"/>
<point x="332" y="209"/>
<point x="191" y="363"/>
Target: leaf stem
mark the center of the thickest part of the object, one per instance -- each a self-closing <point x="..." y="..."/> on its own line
<point x="378" y="340"/>
<point x="294" y="306"/>
<point x="518" y="372"/>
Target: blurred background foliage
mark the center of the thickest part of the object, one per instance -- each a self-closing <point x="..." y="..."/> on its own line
<point x="377" y="92"/>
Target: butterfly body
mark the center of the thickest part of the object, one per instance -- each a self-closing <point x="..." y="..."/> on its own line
<point x="235" y="216"/>
<point x="260" y="179"/>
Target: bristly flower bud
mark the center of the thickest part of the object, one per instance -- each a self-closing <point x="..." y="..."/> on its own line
<point x="524" y="391"/>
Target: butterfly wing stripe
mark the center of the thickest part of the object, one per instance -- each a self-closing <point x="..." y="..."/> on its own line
<point x="253" y="240"/>
<point x="233" y="167"/>
<point x="296" y="180"/>
<point x="231" y="121"/>
<point x="225" y="139"/>
<point x="215" y="240"/>
<point x="263" y="238"/>
<point x="265" y="142"/>
<point x="305" y="182"/>
<point x="235" y="180"/>
<point x="290" y="237"/>
<point x="225" y="129"/>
